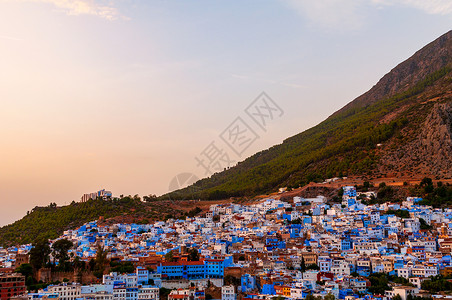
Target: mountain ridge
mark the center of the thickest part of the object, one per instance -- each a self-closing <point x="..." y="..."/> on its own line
<point x="392" y="110"/>
<point x="406" y="69"/>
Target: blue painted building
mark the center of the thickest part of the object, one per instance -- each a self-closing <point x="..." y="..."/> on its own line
<point x="209" y="268"/>
<point x="248" y="283"/>
<point x="268" y="289"/>
<point x="182" y="270"/>
<point x="346" y="244"/>
<point x="274" y="243"/>
<point x="214" y="268"/>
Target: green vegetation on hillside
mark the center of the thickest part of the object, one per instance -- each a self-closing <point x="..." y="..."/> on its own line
<point x="121" y="267"/>
<point x="437" y="284"/>
<point x="49" y="222"/>
<point x="345" y="143"/>
<point x="379" y="282"/>
<point x="401" y="213"/>
<point x="436" y="196"/>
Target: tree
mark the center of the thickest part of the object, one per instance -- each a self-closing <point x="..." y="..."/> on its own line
<point x="194" y="212"/>
<point x="424" y="224"/>
<point x="169" y="256"/>
<point x="150" y="198"/>
<point x="92" y="264"/>
<point x="193" y="254"/>
<point x="329" y="297"/>
<point x="436" y="284"/>
<point x="385" y="193"/>
<point x="401" y="213"/>
<point x="60" y="251"/>
<point x="313" y="267"/>
<point x="122" y="267"/>
<point x="25" y="269"/>
<point x="310" y="297"/>
<point x="229" y="279"/>
<point x="378" y="283"/>
<point x="164" y="292"/>
<point x="79" y="264"/>
<point x="39" y="254"/>
<point x="303" y="264"/>
<point x="100" y="261"/>
<point x="427" y="183"/>
<point x="397" y="297"/>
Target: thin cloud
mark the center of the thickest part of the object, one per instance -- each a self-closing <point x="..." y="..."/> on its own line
<point x="100" y="8"/>
<point x="434" y="7"/>
<point x="351" y="14"/>
<point x="329" y="14"/>
<point x="269" y="81"/>
<point x="5" y="37"/>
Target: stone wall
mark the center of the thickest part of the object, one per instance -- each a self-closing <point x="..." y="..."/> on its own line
<point x="46" y="275"/>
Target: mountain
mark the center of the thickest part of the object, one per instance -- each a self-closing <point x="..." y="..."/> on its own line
<point x="400" y="127"/>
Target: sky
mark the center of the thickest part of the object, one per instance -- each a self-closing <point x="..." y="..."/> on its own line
<point x="126" y="94"/>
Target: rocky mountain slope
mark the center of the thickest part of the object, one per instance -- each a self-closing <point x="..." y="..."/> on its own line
<point x="429" y="59"/>
<point x="430" y="152"/>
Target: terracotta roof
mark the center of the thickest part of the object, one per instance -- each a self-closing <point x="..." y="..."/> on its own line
<point x="177" y="296"/>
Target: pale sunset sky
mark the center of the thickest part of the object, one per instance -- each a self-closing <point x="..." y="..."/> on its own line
<point x="124" y="94"/>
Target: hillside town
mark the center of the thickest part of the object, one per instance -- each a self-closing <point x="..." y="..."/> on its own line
<point x="226" y="150"/>
<point x="303" y="248"/>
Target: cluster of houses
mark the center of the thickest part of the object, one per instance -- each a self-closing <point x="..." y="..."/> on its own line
<point x="268" y="249"/>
